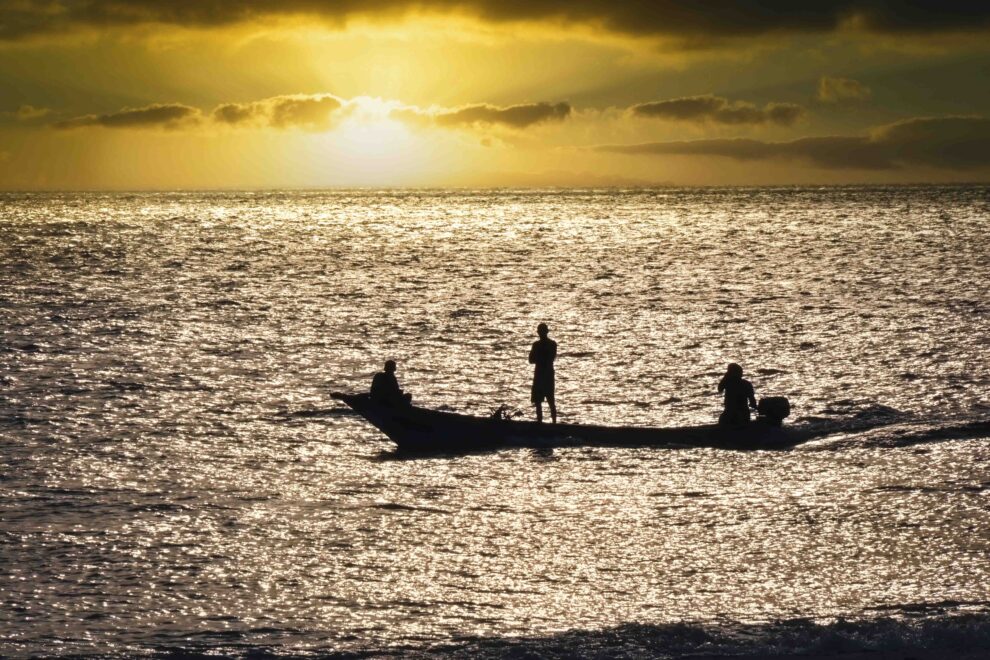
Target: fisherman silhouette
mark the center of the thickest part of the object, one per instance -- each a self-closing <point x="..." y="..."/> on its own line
<point x="738" y="393"/>
<point x="385" y="388"/>
<point x="542" y="355"/>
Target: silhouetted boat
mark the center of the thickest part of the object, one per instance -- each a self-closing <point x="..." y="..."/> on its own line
<point x="423" y="430"/>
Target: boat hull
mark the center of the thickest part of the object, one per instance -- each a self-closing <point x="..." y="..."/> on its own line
<point x="417" y="429"/>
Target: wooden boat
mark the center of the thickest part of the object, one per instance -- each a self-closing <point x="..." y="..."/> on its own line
<point x="417" y="429"/>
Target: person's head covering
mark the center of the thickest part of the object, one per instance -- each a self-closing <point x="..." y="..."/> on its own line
<point x="390" y="366"/>
<point x="542" y="330"/>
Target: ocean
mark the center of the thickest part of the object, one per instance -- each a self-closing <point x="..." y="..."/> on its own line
<point x="176" y="480"/>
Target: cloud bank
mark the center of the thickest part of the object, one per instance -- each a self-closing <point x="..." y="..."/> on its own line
<point x="702" y="18"/>
<point x="719" y="110"/>
<point x="311" y="112"/>
<point x="954" y="143"/>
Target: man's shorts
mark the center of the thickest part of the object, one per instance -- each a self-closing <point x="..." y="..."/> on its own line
<point x="543" y="387"/>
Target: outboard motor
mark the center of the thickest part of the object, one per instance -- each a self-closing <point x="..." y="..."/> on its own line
<point x="773" y="409"/>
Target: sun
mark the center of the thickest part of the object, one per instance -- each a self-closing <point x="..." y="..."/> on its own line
<point x="378" y="142"/>
<point x="370" y="147"/>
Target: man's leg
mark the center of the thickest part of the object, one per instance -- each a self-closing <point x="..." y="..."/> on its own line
<point x="553" y="409"/>
<point x="539" y="411"/>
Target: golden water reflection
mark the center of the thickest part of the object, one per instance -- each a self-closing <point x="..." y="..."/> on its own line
<point x="175" y="470"/>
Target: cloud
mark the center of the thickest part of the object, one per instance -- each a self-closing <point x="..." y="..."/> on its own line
<point x="160" y="115"/>
<point x="29" y="112"/>
<point x="719" y="110"/>
<point x="837" y="90"/>
<point x="702" y="18"/>
<point x="24" y="114"/>
<point x="237" y="113"/>
<point x="312" y="112"/>
<point x="946" y="142"/>
<point x="954" y="143"/>
<point x="513" y="116"/>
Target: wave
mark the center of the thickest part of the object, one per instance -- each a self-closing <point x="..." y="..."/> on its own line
<point x="960" y="635"/>
<point x="958" y="630"/>
<point x="336" y="411"/>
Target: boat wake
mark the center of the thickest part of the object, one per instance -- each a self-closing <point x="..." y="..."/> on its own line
<point x="902" y="434"/>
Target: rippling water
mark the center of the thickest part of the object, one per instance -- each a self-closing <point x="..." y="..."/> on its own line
<point x="175" y="476"/>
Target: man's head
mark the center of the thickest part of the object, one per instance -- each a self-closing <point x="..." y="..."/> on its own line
<point x="734" y="370"/>
<point x="390" y="366"/>
<point x="542" y="330"/>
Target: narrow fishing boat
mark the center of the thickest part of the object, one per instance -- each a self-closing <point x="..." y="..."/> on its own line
<point x="418" y="429"/>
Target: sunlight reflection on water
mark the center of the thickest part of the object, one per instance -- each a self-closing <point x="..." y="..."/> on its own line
<point x="174" y="468"/>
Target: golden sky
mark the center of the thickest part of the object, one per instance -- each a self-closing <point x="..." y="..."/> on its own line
<point x="146" y="94"/>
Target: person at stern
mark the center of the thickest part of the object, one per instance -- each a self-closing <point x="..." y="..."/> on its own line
<point x="738" y="393"/>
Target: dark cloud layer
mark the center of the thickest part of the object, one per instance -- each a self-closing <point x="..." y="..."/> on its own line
<point x="514" y="116"/>
<point x="702" y="18"/>
<point x="955" y="143"/>
<point x="719" y="110"/>
<point x="170" y="115"/>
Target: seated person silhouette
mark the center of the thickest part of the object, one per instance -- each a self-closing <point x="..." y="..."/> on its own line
<point x="542" y="355"/>
<point x="738" y="393"/>
<point x="385" y="388"/>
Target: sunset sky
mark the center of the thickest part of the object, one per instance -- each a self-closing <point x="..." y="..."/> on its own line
<point x="142" y="94"/>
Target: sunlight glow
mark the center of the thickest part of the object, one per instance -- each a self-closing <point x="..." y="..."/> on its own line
<point x="371" y="147"/>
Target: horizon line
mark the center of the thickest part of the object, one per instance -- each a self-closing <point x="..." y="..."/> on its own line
<point x="344" y="188"/>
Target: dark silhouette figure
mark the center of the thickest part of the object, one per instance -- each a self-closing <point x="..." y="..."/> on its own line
<point x="385" y="388"/>
<point x="739" y="397"/>
<point x="542" y="355"/>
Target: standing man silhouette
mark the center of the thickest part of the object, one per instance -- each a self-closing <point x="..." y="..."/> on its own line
<point x="542" y="355"/>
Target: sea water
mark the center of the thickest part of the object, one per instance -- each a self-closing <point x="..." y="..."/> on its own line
<point x="175" y="477"/>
